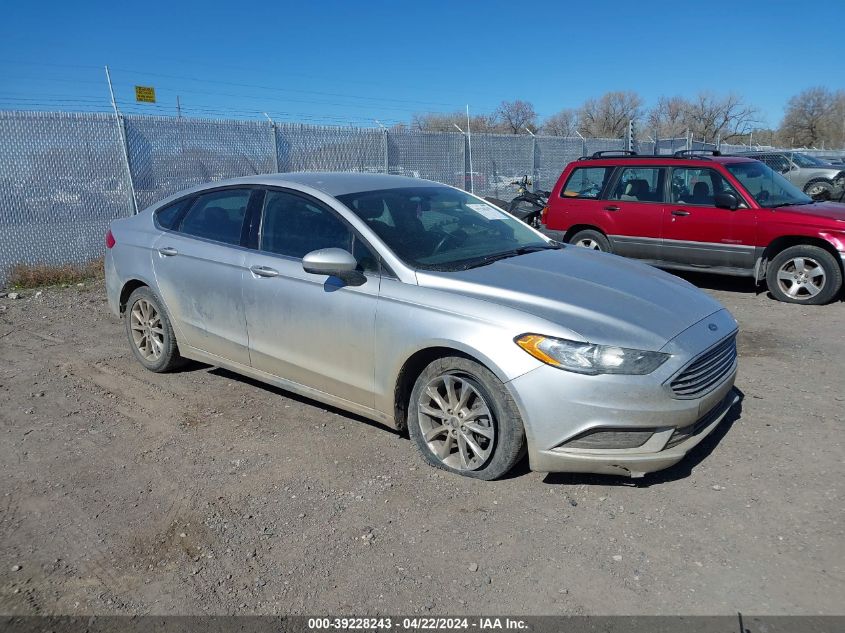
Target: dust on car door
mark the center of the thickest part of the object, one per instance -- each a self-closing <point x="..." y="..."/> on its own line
<point x="198" y="268"/>
<point x="311" y="329"/>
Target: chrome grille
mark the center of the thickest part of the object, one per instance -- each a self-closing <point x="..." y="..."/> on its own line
<point x="706" y="371"/>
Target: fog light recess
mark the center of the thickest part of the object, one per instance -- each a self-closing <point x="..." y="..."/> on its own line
<point x="609" y="438"/>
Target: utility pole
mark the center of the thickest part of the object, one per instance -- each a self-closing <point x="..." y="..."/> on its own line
<point x="178" y="107"/>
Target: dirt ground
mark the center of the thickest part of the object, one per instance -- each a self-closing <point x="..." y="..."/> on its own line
<point x="124" y="491"/>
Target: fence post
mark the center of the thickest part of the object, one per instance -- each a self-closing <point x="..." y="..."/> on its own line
<point x="273" y="141"/>
<point x="121" y="132"/>
<point x="583" y="143"/>
<point x="386" y="147"/>
<point x="535" y="164"/>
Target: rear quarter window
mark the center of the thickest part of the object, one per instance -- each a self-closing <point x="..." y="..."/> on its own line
<point x="168" y="217"/>
<point x="586" y="182"/>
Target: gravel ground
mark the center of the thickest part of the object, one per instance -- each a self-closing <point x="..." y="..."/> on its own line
<point x="124" y="491"/>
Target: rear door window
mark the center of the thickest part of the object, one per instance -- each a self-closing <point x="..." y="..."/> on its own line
<point x="218" y="216"/>
<point x="586" y="182"/>
<point x="640" y="184"/>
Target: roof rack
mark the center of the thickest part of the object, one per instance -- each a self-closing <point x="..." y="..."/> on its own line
<point x="683" y="153"/>
<point x="615" y="152"/>
<point x="679" y="155"/>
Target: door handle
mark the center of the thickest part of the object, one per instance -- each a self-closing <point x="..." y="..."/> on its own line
<point x="611" y="207"/>
<point x="680" y="212"/>
<point x="264" y="271"/>
<point x="168" y="251"/>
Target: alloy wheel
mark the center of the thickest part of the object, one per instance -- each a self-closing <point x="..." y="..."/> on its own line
<point x="801" y="278"/>
<point x="588" y="243"/>
<point x="147" y="329"/>
<point x="456" y="422"/>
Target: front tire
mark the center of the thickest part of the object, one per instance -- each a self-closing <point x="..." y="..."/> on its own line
<point x="150" y="333"/>
<point x="819" y="190"/>
<point x="804" y="274"/>
<point x="593" y="240"/>
<point x="462" y="419"/>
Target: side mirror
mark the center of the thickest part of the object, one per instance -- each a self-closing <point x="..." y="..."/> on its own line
<point x="334" y="262"/>
<point x="726" y="200"/>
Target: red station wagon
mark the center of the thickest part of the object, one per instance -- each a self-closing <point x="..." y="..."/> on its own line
<point x="689" y="211"/>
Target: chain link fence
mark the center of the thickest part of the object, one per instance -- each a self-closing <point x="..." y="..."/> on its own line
<point x="64" y="177"/>
<point x="167" y="155"/>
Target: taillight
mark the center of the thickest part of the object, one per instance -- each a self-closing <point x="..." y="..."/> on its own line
<point x="543" y="214"/>
<point x="110" y="239"/>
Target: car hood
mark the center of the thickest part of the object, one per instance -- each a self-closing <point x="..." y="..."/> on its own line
<point x="600" y="297"/>
<point x="829" y="210"/>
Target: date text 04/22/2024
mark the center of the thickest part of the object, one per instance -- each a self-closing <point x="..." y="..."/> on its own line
<point x="416" y="623"/>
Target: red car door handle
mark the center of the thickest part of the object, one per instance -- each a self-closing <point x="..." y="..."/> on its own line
<point x="680" y="212"/>
<point x="611" y="207"/>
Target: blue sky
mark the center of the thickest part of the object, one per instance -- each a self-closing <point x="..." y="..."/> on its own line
<point x="354" y="62"/>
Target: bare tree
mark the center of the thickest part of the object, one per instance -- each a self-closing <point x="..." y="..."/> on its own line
<point x="446" y="122"/>
<point x="608" y="115"/>
<point x="710" y="116"/>
<point x="516" y="116"/>
<point x="668" y="118"/>
<point x="813" y="117"/>
<point x="564" y="123"/>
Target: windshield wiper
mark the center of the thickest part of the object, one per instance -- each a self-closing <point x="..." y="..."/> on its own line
<point x="516" y="252"/>
<point x="791" y="204"/>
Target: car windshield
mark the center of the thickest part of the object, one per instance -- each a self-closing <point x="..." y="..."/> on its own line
<point x="440" y="228"/>
<point x="766" y="186"/>
<point x="803" y="160"/>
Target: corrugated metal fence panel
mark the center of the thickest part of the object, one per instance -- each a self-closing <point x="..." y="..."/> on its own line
<point x="432" y="155"/>
<point x="553" y="154"/>
<point x="498" y="159"/>
<point x="318" y="148"/>
<point x="170" y="154"/>
<point x="63" y="178"/>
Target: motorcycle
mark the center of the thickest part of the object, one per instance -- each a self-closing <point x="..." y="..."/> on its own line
<point x="527" y="205"/>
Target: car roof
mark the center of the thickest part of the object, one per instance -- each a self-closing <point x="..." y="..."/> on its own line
<point x="663" y="159"/>
<point x="332" y="183"/>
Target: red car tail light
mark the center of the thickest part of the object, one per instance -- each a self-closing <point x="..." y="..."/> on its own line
<point x="110" y="239"/>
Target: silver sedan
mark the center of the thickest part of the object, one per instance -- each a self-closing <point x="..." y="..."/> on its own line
<point x="423" y="307"/>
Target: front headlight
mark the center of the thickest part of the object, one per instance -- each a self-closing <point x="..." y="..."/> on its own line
<point x="585" y="358"/>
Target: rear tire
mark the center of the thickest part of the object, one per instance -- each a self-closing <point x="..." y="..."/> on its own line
<point x="804" y="274"/>
<point x="589" y="238"/>
<point x="463" y="419"/>
<point x="150" y="334"/>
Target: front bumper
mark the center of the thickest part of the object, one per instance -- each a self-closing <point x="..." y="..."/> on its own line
<point x="559" y="406"/>
<point x="626" y="462"/>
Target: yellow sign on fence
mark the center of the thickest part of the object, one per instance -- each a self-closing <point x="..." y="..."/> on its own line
<point x="146" y="94"/>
